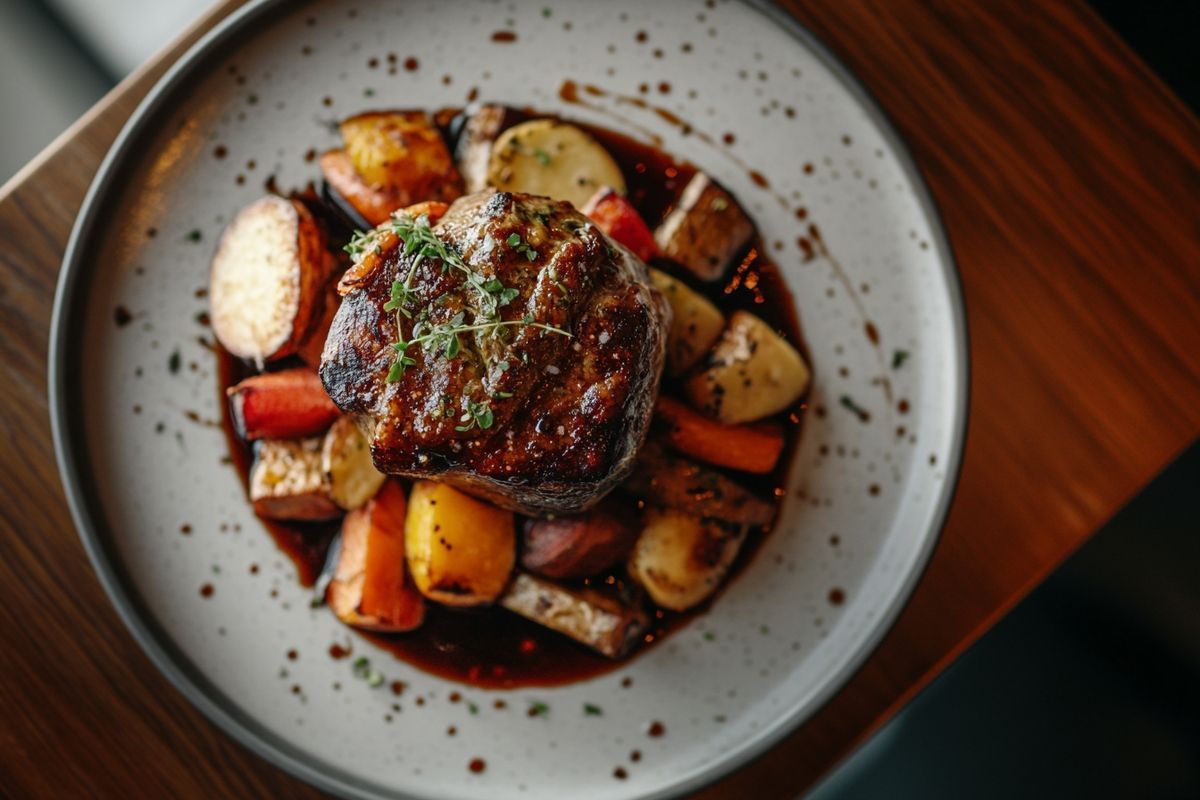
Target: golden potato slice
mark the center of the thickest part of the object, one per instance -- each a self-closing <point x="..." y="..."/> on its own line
<point x="696" y="323"/>
<point x="554" y="159"/>
<point x="751" y="373"/>
<point x="681" y="559"/>
<point x="346" y="462"/>
<point x="460" y="550"/>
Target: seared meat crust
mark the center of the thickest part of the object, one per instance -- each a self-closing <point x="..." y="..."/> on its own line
<point x="567" y="413"/>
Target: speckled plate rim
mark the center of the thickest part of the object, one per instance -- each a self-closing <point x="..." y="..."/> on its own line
<point x="67" y="431"/>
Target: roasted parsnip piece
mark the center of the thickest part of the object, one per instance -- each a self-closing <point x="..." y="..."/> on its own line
<point x="391" y="159"/>
<point x="346" y="461"/>
<point x="751" y="373"/>
<point x="268" y="279"/>
<point x="695" y="322"/>
<point x="287" y="482"/>
<point x="750" y="448"/>
<point x="706" y="230"/>
<point x="554" y="159"/>
<point x="460" y="550"/>
<point x="289" y="404"/>
<point x="578" y="545"/>
<point x="617" y="217"/>
<point x="680" y="559"/>
<point x="369" y="587"/>
<point x="673" y="482"/>
<point x="600" y="621"/>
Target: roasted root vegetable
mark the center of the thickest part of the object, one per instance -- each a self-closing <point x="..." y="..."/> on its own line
<point x="554" y="159"/>
<point x="695" y="322"/>
<point x="473" y="152"/>
<point x="268" y="278"/>
<point x="346" y="462"/>
<point x="751" y="373"/>
<point x="680" y="559"/>
<point x="667" y="480"/>
<point x="578" y="545"/>
<point x="603" y="622"/>
<point x="369" y="587"/>
<point x="617" y="217"/>
<point x="289" y="404"/>
<point x="706" y="229"/>
<point x="287" y="482"/>
<point x="460" y="550"/>
<point x="749" y="448"/>
<point x="391" y="159"/>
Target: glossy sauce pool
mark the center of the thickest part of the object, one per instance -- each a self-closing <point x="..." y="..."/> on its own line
<point x="491" y="647"/>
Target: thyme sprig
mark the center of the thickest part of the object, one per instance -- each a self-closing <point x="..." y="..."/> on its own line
<point x="487" y="297"/>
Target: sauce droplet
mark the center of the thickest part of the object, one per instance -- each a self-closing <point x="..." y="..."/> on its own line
<point x="656" y="729"/>
<point x="477" y="765"/>
<point x="206" y="590"/>
<point x="504" y="37"/>
<point x="837" y="597"/>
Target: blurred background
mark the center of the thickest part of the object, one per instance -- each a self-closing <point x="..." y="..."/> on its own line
<point x="1090" y="688"/>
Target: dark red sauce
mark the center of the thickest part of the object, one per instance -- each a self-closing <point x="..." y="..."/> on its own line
<point x="490" y="647"/>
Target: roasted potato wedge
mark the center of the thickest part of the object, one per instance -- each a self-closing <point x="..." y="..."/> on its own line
<point x="554" y="159"/>
<point x="681" y="559"/>
<point x="706" y="229"/>
<point x="598" y="620"/>
<point x="391" y="159"/>
<point x="695" y="322"/>
<point x="287" y="482"/>
<point x="473" y="151"/>
<point x="749" y="448"/>
<point x="460" y="550"/>
<point x="289" y="404"/>
<point x="667" y="480"/>
<point x="577" y="546"/>
<point x="267" y="280"/>
<point x="369" y="587"/>
<point x="615" y="215"/>
<point x="346" y="461"/>
<point x="751" y="373"/>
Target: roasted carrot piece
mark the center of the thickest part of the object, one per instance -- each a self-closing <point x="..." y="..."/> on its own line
<point x="388" y="593"/>
<point x="617" y="217"/>
<point x="749" y="448"/>
<point x="289" y="404"/>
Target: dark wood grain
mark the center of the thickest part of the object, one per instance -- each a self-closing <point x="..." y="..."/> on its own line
<point x="1068" y="178"/>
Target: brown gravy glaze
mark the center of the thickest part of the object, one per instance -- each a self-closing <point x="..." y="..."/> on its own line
<point x="490" y="647"/>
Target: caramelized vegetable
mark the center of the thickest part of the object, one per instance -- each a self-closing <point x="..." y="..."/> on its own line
<point x="695" y="322"/>
<point x="617" y="217"/>
<point x="681" y="559"/>
<point x="750" y="448"/>
<point x="601" y="621"/>
<point x="391" y="159"/>
<point x="576" y="546"/>
<point x="370" y="588"/>
<point x="287" y="482"/>
<point x="268" y="279"/>
<point x="673" y="482"/>
<point x="706" y="230"/>
<point x="346" y="462"/>
<point x="289" y="404"/>
<point x="474" y="149"/>
<point x="460" y="550"/>
<point x="751" y="373"/>
<point x="554" y="159"/>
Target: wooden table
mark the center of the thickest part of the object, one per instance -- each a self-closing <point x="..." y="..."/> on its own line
<point x="1069" y="179"/>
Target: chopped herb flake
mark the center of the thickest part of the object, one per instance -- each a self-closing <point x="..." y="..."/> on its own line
<point x="538" y="709"/>
<point x="593" y="710"/>
<point x="474" y="709"/>
<point x="174" y="362"/>
<point x="195" y="235"/>
<point x="898" y="358"/>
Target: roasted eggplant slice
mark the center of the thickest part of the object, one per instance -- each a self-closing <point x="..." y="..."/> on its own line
<point x="669" y="481"/>
<point x="289" y="404"/>
<point x="287" y="482"/>
<point x="593" y="618"/>
<point x="706" y="229"/>
<point x="268" y="279"/>
<point x="369" y="587"/>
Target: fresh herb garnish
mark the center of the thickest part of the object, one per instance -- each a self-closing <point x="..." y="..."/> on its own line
<point x="195" y="235"/>
<point x="477" y="415"/>
<point x="542" y="156"/>
<point x="364" y="671"/>
<point x="538" y="709"/>
<point x="474" y="709"/>
<point x="593" y="710"/>
<point x="709" y="636"/>
<point x="514" y="241"/>
<point x="898" y="358"/>
<point x="848" y="403"/>
<point x="488" y="296"/>
<point x="174" y="362"/>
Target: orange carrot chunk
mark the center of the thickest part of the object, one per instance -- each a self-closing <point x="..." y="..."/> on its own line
<point x="387" y="593"/>
<point x="749" y="448"/>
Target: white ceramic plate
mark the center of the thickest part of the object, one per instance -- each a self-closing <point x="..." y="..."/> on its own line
<point x="867" y="498"/>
